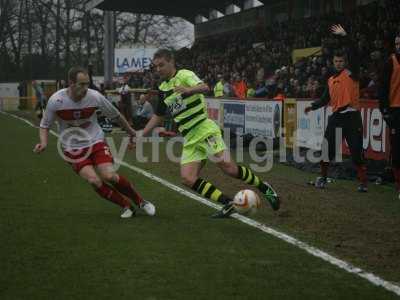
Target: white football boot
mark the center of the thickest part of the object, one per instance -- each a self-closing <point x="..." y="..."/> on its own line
<point x="148" y="208"/>
<point x="127" y="212"/>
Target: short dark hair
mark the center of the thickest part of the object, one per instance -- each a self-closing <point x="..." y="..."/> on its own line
<point x="74" y="71"/>
<point x="339" y="53"/>
<point x="164" y="53"/>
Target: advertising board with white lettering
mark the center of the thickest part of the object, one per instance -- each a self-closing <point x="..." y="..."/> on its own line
<point x="375" y="132"/>
<point x="8" y="96"/>
<point x="133" y="59"/>
<point x="263" y="118"/>
<point x="310" y="127"/>
<point x="213" y="109"/>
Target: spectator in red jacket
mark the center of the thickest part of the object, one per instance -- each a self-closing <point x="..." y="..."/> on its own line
<point x="240" y="87"/>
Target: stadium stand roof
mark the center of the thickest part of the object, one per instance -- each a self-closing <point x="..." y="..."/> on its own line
<point x="178" y="8"/>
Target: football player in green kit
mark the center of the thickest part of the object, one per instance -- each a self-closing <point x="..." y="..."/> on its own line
<point x="181" y="93"/>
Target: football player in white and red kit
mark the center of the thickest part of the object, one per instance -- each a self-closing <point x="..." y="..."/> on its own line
<point x="82" y="140"/>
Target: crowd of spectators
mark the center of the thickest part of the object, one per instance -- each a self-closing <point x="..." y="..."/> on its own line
<point x="258" y="62"/>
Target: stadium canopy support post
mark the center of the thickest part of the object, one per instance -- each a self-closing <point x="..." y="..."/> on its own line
<point x="109" y="41"/>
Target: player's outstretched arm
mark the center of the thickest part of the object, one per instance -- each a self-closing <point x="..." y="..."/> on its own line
<point x="321" y="102"/>
<point x="124" y="123"/>
<point x="44" y="136"/>
<point x="197" y="89"/>
<point x="153" y="122"/>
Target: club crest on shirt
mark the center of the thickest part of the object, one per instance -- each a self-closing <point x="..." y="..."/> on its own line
<point x="212" y="142"/>
<point x="77" y="114"/>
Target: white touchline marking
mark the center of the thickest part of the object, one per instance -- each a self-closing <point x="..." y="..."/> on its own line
<point x="280" y="235"/>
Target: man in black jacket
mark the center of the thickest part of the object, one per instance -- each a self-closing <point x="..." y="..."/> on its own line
<point x="342" y="95"/>
<point x="389" y="103"/>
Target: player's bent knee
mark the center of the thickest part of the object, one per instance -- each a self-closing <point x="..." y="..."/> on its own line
<point x="94" y="181"/>
<point x="108" y="177"/>
<point x="188" y="180"/>
<point x="229" y="168"/>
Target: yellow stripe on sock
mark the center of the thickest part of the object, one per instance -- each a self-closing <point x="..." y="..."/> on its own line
<point x="206" y="188"/>
<point x="249" y="177"/>
<point x="256" y="181"/>
<point x="243" y="172"/>
<point x="215" y="195"/>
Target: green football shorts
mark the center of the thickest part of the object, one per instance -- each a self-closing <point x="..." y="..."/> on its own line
<point x="201" y="149"/>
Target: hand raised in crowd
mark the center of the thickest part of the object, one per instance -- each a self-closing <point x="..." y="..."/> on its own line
<point x="338" y="30"/>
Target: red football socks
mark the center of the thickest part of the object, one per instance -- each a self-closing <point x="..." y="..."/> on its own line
<point x="362" y="174"/>
<point x="112" y="195"/>
<point x="324" y="168"/>
<point x="126" y="188"/>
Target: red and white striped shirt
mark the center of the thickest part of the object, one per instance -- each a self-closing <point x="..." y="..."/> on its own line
<point x="77" y="120"/>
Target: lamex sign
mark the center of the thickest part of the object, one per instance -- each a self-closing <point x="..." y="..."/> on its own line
<point x="133" y="60"/>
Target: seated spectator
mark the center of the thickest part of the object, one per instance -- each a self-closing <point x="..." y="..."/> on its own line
<point x="316" y="90"/>
<point x="144" y="112"/>
<point x="371" y="91"/>
<point x="260" y="72"/>
<point x="228" y="90"/>
<point x="135" y="80"/>
<point x="261" y="90"/>
<point x="280" y="96"/>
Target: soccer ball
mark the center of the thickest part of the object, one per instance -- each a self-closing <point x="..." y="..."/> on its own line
<point x="246" y="202"/>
